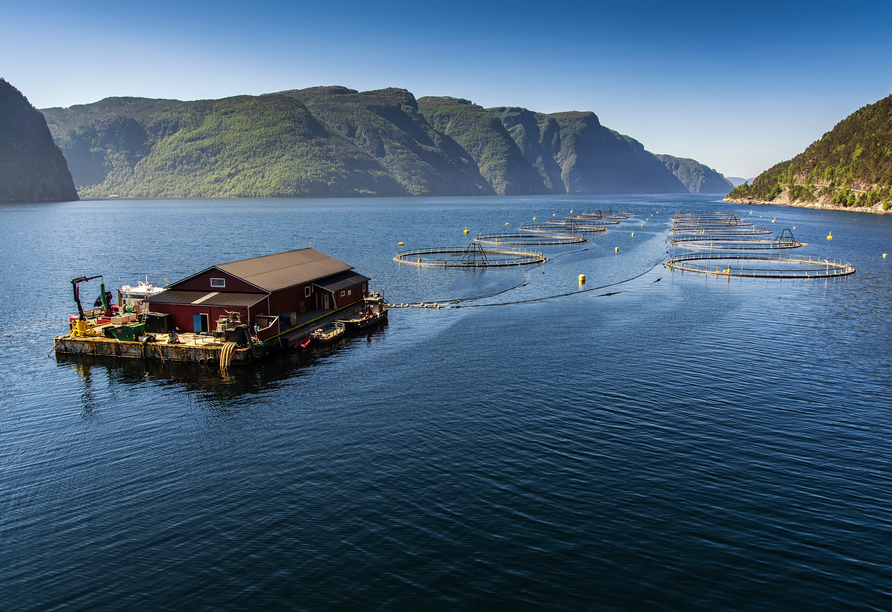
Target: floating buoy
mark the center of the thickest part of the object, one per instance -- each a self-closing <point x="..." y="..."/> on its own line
<point x="633" y="233"/>
<point x="554" y="214"/>
<point x="399" y="244"/>
<point x="642" y="225"/>
<point x="582" y="279"/>
<point x="774" y="220"/>
<point x="616" y="250"/>
<point x="534" y="218"/>
<point x="466" y="230"/>
<point x="884" y="256"/>
<point x="830" y="236"/>
<point x="506" y="224"/>
<point x="794" y="227"/>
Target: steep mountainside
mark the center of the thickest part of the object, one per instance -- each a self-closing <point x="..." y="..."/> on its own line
<point x="32" y="168"/>
<point x="850" y="166"/>
<point x="574" y="153"/>
<point x="695" y="176"/>
<point x="334" y="141"/>
<point x="387" y="125"/>
<point x="487" y="141"/>
<point x="245" y="146"/>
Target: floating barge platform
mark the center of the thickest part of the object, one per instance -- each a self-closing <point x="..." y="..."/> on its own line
<point x="212" y="349"/>
<point x="228" y="314"/>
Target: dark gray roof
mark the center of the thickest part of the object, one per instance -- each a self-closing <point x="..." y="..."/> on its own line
<point x="207" y="298"/>
<point x="282" y="270"/>
<point x="342" y="281"/>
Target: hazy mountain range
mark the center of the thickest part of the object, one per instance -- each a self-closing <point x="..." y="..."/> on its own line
<point x="335" y="141"/>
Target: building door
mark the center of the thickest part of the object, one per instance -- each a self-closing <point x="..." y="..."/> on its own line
<point x="200" y="322"/>
<point x="324" y="301"/>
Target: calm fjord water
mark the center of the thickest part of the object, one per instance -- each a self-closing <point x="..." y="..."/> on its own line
<point x="684" y="443"/>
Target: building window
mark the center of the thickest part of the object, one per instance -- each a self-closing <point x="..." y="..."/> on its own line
<point x="307" y="290"/>
<point x="349" y="291"/>
<point x="364" y="288"/>
<point x="342" y="294"/>
<point x="218" y="282"/>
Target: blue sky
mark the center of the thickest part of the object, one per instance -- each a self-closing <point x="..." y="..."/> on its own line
<point x="739" y="87"/>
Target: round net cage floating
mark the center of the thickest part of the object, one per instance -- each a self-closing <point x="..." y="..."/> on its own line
<point x="471" y="256"/>
<point x="783" y="240"/>
<point x="720" y="231"/>
<point x="566" y="227"/>
<point x="760" y="266"/>
<point x="584" y="220"/>
<point x="529" y="239"/>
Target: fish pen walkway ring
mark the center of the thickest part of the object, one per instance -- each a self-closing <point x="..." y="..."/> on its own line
<point x="529" y="239"/>
<point x="471" y="256"/>
<point x="565" y="228"/>
<point x="586" y="220"/>
<point x="783" y="240"/>
<point x="721" y="231"/>
<point x="761" y="266"/>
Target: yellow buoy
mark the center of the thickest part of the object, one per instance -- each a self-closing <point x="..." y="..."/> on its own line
<point x="534" y="218"/>
<point x="466" y="230"/>
<point x="554" y="214"/>
<point x="506" y="224"/>
<point x="830" y="236"/>
<point x="642" y="225"/>
<point x="633" y="233"/>
<point x="884" y="256"/>
<point x="399" y="244"/>
<point x="582" y="279"/>
<point x="616" y="250"/>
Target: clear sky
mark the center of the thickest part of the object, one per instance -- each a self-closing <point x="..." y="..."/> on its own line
<point x="736" y="86"/>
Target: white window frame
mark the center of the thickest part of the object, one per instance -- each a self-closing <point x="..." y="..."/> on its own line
<point x="308" y="290"/>
<point x="218" y="283"/>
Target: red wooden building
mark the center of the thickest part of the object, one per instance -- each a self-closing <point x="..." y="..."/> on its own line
<point x="285" y="284"/>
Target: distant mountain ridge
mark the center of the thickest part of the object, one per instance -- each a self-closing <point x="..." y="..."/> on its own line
<point x="849" y="167"/>
<point x="32" y="167"/>
<point x="335" y="141"/>
<point x="695" y="176"/>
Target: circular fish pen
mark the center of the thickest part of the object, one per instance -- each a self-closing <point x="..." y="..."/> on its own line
<point x="529" y="239"/>
<point x="761" y="266"/>
<point x="471" y="256"/>
<point x="563" y="228"/>
<point x="783" y="240"/>
<point x="584" y="220"/>
<point x="720" y="231"/>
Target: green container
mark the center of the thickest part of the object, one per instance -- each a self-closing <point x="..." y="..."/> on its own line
<point x="130" y="332"/>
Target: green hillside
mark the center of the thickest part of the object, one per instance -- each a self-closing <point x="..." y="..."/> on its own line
<point x="32" y="168"/>
<point x="486" y="140"/>
<point x="334" y="141"/>
<point x="695" y="176"/>
<point x="574" y="153"/>
<point x="245" y="146"/>
<point x="387" y="125"/>
<point x="850" y="166"/>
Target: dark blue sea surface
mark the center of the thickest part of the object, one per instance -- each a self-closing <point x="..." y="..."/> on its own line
<point x="658" y="440"/>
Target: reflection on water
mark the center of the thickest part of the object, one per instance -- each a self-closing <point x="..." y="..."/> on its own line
<point x="673" y="441"/>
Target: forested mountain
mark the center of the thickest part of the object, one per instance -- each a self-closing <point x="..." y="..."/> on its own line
<point x="850" y="166"/>
<point x="334" y="141"/>
<point x="32" y="168"/>
<point x="387" y="125"/>
<point x="574" y="153"/>
<point x="486" y="140"/>
<point x="268" y="146"/>
<point x="695" y="176"/>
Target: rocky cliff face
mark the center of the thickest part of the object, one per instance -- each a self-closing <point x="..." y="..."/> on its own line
<point x="32" y="168"/>
<point x="574" y="153"/>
